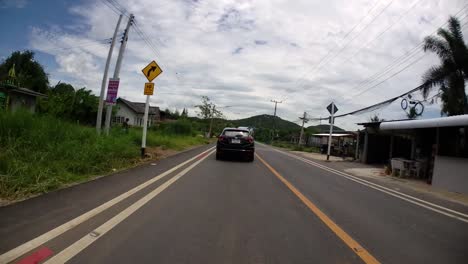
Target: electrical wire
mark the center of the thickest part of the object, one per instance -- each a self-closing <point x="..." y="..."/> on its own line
<point x="367" y="84"/>
<point x="384" y="31"/>
<point x="321" y="63"/>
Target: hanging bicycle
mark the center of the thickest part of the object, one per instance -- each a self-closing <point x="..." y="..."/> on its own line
<point x="412" y="107"/>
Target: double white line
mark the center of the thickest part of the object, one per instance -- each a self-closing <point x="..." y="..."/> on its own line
<point x="425" y="204"/>
<point x="84" y="242"/>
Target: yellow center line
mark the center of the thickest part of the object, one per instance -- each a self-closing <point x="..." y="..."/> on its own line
<point x="347" y="239"/>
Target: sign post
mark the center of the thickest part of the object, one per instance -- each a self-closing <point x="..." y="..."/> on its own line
<point x="151" y="71"/>
<point x="332" y="109"/>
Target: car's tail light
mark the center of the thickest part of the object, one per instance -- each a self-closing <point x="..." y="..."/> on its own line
<point x="221" y="138"/>
<point x="250" y="139"/>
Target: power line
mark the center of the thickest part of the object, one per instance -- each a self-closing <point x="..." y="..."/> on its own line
<point x="384" y="31"/>
<point x="374" y="106"/>
<point x="396" y="63"/>
<point x="320" y="65"/>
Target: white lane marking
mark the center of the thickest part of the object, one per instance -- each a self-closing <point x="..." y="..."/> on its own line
<point x="425" y="204"/>
<point x="71" y="251"/>
<point x="34" y="243"/>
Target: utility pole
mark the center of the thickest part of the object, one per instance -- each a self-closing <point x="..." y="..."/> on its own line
<point x="304" y="120"/>
<point x="104" y="79"/>
<point x="117" y="68"/>
<point x="274" y="118"/>
<point x="332" y="121"/>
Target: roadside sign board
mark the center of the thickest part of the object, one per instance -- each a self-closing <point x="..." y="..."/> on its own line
<point x="329" y="108"/>
<point x="112" y="90"/>
<point x="149" y="88"/>
<point x="152" y="71"/>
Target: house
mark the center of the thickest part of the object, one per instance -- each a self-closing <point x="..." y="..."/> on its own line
<point x="134" y="112"/>
<point x="437" y="148"/>
<point x="342" y="142"/>
<point x="13" y="98"/>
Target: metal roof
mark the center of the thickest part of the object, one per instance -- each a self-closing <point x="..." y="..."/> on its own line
<point x="449" y="121"/>
<point x="333" y="135"/>
<point x="139" y="108"/>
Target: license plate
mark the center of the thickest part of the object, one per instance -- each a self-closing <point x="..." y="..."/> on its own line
<point x="235" y="141"/>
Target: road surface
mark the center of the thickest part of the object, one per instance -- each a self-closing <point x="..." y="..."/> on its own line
<point x="190" y="208"/>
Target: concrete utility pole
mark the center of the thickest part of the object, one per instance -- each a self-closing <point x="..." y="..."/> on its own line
<point x="117" y="68"/>
<point x="145" y="127"/>
<point x="104" y="78"/>
<point x="332" y="121"/>
<point x="274" y="117"/>
<point x="304" y="120"/>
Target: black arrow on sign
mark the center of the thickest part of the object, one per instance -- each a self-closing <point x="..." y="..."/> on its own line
<point x="153" y="68"/>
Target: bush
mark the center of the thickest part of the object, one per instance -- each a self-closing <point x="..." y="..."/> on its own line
<point x="179" y="127"/>
<point x="42" y="153"/>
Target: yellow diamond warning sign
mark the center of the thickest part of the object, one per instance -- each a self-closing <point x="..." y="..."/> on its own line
<point x="152" y="71"/>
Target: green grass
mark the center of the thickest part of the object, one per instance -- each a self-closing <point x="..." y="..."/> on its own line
<point x="295" y="147"/>
<point x="41" y="153"/>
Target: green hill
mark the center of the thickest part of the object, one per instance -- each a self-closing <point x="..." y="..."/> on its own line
<point x="266" y="122"/>
<point x="324" y="128"/>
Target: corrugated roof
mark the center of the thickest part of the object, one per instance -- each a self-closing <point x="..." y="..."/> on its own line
<point x="333" y="135"/>
<point x="139" y="108"/>
<point x="449" y="121"/>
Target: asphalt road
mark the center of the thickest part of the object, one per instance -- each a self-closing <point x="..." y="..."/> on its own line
<point x="278" y="209"/>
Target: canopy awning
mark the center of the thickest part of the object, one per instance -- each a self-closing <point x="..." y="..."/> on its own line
<point x="333" y="135"/>
<point x="450" y="121"/>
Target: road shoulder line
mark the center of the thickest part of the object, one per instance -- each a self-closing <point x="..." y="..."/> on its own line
<point x="409" y="198"/>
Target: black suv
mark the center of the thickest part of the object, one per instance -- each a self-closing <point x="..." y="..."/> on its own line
<point x="235" y="140"/>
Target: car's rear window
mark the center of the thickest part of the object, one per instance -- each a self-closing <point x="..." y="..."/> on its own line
<point x="233" y="133"/>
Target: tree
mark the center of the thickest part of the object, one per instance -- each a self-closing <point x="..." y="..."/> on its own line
<point x="29" y="73"/>
<point x="64" y="102"/>
<point x="375" y="118"/>
<point x="207" y="110"/>
<point x="184" y="113"/>
<point x="452" y="73"/>
<point x="176" y="114"/>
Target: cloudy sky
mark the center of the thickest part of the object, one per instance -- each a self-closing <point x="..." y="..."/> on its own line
<point x="243" y="53"/>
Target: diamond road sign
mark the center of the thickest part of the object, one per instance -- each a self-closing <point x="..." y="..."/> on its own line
<point x="329" y="108"/>
<point x="152" y="71"/>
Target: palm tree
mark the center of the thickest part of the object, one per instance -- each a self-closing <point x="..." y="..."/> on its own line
<point x="452" y="73"/>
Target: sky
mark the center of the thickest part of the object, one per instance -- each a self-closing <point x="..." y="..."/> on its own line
<point x="242" y="54"/>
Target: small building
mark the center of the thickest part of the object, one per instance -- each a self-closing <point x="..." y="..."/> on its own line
<point x="435" y="149"/>
<point x="13" y="98"/>
<point x="135" y="111"/>
<point x="342" y="143"/>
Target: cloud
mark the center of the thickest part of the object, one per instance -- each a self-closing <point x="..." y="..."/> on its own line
<point x="13" y="3"/>
<point x="244" y="53"/>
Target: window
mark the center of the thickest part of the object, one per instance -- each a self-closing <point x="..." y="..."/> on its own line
<point x="233" y="133"/>
<point x="118" y="119"/>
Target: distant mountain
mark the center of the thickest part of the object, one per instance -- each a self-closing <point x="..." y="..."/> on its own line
<point x="324" y="128"/>
<point x="265" y="121"/>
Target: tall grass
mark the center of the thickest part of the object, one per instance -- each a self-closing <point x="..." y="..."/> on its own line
<point x="42" y="153"/>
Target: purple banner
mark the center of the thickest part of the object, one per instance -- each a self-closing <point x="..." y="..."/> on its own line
<point x="112" y="90"/>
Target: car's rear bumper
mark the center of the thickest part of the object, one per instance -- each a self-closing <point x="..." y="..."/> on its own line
<point x="235" y="150"/>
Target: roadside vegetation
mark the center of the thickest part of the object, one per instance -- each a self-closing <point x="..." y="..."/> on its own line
<point x="40" y="153"/>
<point x="295" y="147"/>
